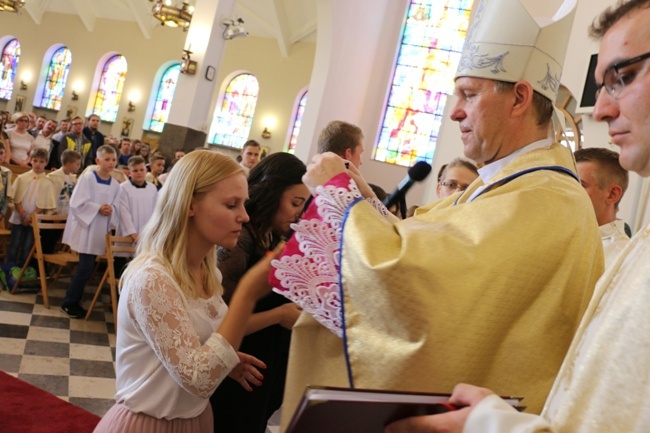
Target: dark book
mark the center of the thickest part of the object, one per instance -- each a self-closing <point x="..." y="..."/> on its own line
<point x="344" y="410"/>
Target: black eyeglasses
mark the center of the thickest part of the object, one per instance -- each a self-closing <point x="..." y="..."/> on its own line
<point x="615" y="81"/>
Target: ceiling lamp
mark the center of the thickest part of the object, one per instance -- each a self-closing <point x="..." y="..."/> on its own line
<point x="11" y="5"/>
<point x="169" y="15"/>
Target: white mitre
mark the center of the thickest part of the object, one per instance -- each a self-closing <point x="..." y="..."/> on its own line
<point x="506" y="43"/>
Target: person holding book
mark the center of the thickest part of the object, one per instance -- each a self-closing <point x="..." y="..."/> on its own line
<point x="176" y="337"/>
<point x="602" y="385"/>
<point x="473" y="287"/>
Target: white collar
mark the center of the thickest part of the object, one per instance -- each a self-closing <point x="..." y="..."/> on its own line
<point x="487" y="172"/>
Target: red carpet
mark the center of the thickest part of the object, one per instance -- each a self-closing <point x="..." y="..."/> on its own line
<point x="27" y="409"/>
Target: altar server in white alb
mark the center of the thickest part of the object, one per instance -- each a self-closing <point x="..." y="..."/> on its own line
<point x="92" y="215"/>
<point x="137" y="200"/>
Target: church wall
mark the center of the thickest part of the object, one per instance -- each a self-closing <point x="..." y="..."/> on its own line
<point x="280" y="78"/>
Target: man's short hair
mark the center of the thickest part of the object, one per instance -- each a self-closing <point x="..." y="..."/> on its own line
<point x="156" y="157"/>
<point x="76" y="118"/>
<point x="40" y="153"/>
<point x="105" y="148"/>
<point x="613" y="14"/>
<point x="69" y="156"/>
<point x="609" y="168"/>
<point x="94" y="115"/>
<point x="337" y="136"/>
<point x="542" y="105"/>
<point x="457" y="162"/>
<point x="249" y="143"/>
<point x="135" y="160"/>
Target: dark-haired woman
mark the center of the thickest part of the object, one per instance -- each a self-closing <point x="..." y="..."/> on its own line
<point x="277" y="198"/>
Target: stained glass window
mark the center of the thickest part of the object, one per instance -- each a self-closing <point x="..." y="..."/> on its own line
<point x="10" y="55"/>
<point x="57" y="76"/>
<point x="109" y="92"/>
<point x="164" y="97"/>
<point x="297" y="122"/>
<point x="431" y="46"/>
<point x="232" y="122"/>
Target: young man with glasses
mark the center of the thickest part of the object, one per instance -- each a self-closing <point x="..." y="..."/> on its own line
<point x="603" y="383"/>
<point x="455" y="177"/>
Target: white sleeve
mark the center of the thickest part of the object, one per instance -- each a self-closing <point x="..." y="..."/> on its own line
<point x="493" y="415"/>
<point x="158" y="309"/>
<point x="125" y="225"/>
<point x="82" y="206"/>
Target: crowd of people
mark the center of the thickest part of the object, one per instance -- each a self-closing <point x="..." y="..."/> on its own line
<point x="520" y="279"/>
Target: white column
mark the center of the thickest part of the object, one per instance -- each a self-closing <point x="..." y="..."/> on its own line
<point x="193" y="95"/>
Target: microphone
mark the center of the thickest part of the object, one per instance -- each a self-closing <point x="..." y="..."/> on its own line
<point x="418" y="172"/>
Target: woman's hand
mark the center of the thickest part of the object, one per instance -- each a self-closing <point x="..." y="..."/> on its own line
<point x="255" y="282"/>
<point x="450" y="422"/>
<point x="246" y="372"/>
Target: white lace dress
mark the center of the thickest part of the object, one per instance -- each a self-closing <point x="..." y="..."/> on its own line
<point x="169" y="359"/>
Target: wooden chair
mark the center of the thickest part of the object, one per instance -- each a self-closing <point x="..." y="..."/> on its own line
<point x="114" y="244"/>
<point x="60" y="258"/>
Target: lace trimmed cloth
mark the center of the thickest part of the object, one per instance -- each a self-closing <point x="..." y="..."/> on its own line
<point x="308" y="272"/>
<point x="163" y="326"/>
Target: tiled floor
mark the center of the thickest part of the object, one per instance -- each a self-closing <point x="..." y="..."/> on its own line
<point x="70" y="358"/>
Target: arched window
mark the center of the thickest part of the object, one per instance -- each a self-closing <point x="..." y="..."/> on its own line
<point x="55" y="79"/>
<point x="164" y="96"/>
<point x="110" y="87"/>
<point x="430" y="50"/>
<point x="297" y="122"/>
<point x="10" y="55"/>
<point x="232" y="123"/>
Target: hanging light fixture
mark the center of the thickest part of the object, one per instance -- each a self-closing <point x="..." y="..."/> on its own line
<point x="170" y="15"/>
<point x="11" y="5"/>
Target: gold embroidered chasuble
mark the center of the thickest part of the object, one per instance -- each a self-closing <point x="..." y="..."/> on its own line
<point x="488" y="291"/>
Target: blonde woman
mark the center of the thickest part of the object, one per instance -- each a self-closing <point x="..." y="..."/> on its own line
<point x="176" y="338"/>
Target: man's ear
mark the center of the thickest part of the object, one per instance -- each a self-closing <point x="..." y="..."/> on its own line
<point x="347" y="154"/>
<point x="615" y="194"/>
<point x="523" y="93"/>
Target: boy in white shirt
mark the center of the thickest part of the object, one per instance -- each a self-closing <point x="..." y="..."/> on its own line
<point x="32" y="193"/>
<point x="63" y="181"/>
<point x="157" y="166"/>
<point x="136" y="202"/>
<point x="92" y="207"/>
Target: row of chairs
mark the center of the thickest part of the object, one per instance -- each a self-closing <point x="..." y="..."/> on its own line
<point x="64" y="257"/>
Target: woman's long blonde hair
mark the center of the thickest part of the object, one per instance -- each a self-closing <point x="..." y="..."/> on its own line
<point x="164" y="237"/>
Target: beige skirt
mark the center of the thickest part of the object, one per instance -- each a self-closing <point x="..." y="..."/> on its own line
<point x="119" y="419"/>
